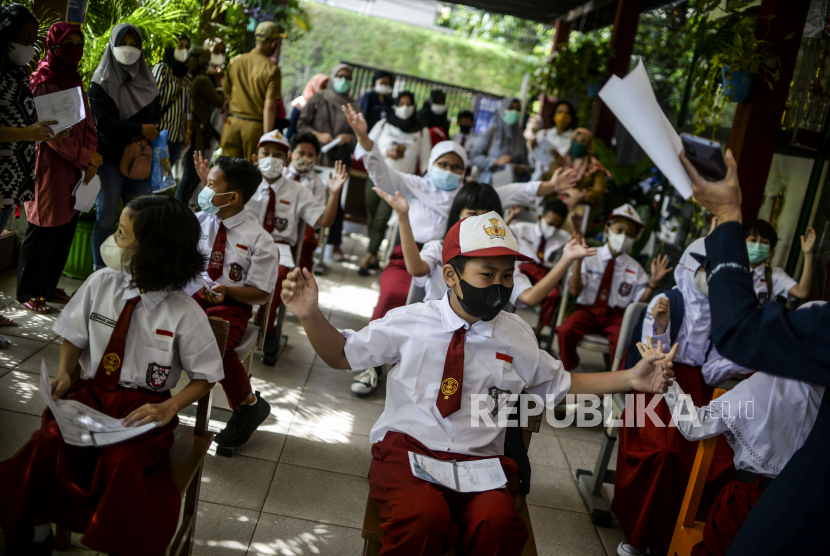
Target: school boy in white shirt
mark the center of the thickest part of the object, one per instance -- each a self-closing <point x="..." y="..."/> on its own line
<point x="445" y="351"/>
<point x="606" y="284"/>
<point x="279" y="205"/>
<point x="771" y="282"/>
<point x="133" y="330"/>
<point x="242" y="272"/>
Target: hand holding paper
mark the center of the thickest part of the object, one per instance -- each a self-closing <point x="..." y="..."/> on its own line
<point x="66" y="108"/>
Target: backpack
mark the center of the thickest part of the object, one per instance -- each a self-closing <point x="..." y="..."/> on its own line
<point x="676" y="310"/>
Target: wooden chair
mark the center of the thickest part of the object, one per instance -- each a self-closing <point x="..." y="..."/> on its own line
<point x="371" y="518"/>
<point x="687" y="531"/>
<point x="254" y="337"/>
<point x="187" y="458"/>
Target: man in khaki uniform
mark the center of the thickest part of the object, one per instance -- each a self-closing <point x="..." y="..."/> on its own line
<point x="253" y="85"/>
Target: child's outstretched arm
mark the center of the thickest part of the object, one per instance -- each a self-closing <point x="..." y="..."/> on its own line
<point x="415" y="265"/>
<point x="300" y="294"/>
<point x="336" y="181"/>
<point x="576" y="249"/>
<point x="659" y="268"/>
<point x="802" y="289"/>
<point x="652" y="374"/>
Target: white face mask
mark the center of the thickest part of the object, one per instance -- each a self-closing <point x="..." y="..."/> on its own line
<point x="181" y="54"/>
<point x="126" y="55"/>
<point x="547" y="229"/>
<point x="701" y="283"/>
<point x="302" y="164"/>
<point x="116" y="258"/>
<point x="270" y="167"/>
<point x="404" y="112"/>
<point x="383" y="89"/>
<point x="21" y="55"/>
<point x="217" y="59"/>
<point x="438" y="108"/>
<point x="620" y="243"/>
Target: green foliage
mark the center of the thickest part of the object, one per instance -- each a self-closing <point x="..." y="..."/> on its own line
<point x="338" y="35"/>
<point x="624" y="176"/>
<point x="242" y="16"/>
<point x="572" y="67"/>
<point x="521" y="35"/>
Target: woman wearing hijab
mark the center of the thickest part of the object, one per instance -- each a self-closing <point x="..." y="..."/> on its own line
<point x="501" y="143"/>
<point x="174" y="83"/>
<point x="59" y="166"/>
<point x="205" y="97"/>
<point x="377" y="104"/>
<point x="434" y="113"/>
<point x="405" y="145"/>
<point x="124" y="99"/>
<point x="323" y="116"/>
<point x="647" y="492"/>
<point x="314" y="86"/>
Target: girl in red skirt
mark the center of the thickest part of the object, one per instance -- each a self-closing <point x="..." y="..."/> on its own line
<point x="133" y="330"/>
<point x="654" y="462"/>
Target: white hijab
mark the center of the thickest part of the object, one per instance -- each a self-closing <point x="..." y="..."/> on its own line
<point x="444" y="147"/>
<point x="697" y="315"/>
<point x="783" y="415"/>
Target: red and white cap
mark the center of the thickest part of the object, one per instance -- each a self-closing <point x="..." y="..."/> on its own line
<point x="274" y="137"/>
<point x="626" y="211"/>
<point x="481" y="236"/>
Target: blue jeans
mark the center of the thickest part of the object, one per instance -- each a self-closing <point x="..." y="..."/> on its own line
<point x="115" y="187"/>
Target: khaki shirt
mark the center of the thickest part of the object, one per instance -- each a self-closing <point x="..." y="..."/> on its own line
<point x="251" y="79"/>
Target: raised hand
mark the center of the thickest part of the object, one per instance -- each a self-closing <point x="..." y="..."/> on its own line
<point x="564" y="179"/>
<point x="577" y="249"/>
<point x="202" y="167"/>
<point x="395" y="201"/>
<point x="338" y="177"/>
<point x="659" y="268"/>
<point x="300" y="293"/>
<point x="653" y="373"/>
<point x="661" y="313"/>
<point x="573" y="197"/>
<point x="809" y="242"/>
<point x="356" y="121"/>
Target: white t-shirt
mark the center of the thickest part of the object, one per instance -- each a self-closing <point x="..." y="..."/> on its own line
<point x="418" y="146"/>
<point x="629" y="282"/>
<point x="782" y="283"/>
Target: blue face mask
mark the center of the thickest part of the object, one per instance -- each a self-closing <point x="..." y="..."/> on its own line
<point x="206" y="201"/>
<point x="341" y="85"/>
<point x="758" y="252"/>
<point x="444" y="179"/>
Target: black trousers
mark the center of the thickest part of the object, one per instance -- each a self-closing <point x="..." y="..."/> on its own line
<point x="43" y="255"/>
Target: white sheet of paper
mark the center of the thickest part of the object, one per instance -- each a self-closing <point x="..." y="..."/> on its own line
<point x="330" y="145"/>
<point x="67" y="107"/>
<point x="632" y="101"/>
<point x="86" y="193"/>
<point x="466" y="476"/>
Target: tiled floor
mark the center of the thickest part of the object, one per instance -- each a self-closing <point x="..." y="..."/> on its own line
<point x="299" y="485"/>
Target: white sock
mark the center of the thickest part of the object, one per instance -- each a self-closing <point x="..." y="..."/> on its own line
<point x="42" y="532"/>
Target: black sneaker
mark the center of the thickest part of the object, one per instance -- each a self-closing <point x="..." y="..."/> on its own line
<point x="243" y="423"/>
<point x="271" y="348"/>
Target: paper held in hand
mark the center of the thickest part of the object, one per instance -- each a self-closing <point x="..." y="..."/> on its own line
<point x="86" y="193"/>
<point x="80" y="425"/>
<point x="461" y="476"/>
<point x="632" y="101"/>
<point x="67" y="107"/>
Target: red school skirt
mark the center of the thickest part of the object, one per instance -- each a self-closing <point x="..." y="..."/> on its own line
<point x="653" y="469"/>
<point x="121" y="497"/>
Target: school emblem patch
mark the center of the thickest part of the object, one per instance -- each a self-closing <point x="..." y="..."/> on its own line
<point x="217" y="260"/>
<point x="111" y="362"/>
<point x="625" y="289"/>
<point x="448" y="387"/>
<point x="157" y="376"/>
<point x="281" y="224"/>
<point x="762" y="299"/>
<point x="497" y="398"/>
<point x="235" y="273"/>
<point x="494" y="231"/>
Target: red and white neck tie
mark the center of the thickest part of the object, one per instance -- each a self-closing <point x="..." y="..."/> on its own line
<point x="270" y="212"/>
<point x="541" y="251"/>
<point x="601" y="303"/>
<point x="449" y="393"/>
<point x="109" y="369"/>
<point x="217" y="256"/>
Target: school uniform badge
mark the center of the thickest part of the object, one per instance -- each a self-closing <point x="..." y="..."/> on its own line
<point x="625" y="289"/>
<point x="281" y="224"/>
<point x="217" y="260"/>
<point x="235" y="273"/>
<point x="448" y="387"/>
<point x="157" y="376"/>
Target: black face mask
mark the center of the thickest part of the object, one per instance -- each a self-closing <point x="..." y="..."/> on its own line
<point x="465" y="129"/>
<point x="483" y="303"/>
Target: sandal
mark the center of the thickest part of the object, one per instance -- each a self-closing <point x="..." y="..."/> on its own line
<point x="36" y="305"/>
<point x="5" y="321"/>
<point x="60" y="295"/>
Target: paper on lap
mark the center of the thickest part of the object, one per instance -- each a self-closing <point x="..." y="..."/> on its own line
<point x="465" y="476"/>
<point x="633" y="103"/>
<point x="80" y="425"/>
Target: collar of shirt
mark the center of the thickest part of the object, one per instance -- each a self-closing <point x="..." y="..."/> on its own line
<point x="150" y="299"/>
<point x="453" y="322"/>
<point x="604" y="253"/>
<point x="760" y="270"/>
<point x="236" y="219"/>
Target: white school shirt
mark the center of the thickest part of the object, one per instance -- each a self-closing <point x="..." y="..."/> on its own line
<point x="418" y="146"/>
<point x="429" y="207"/>
<point x="415" y="338"/>
<point x="466" y="140"/>
<point x="251" y="258"/>
<point x="311" y="180"/>
<point x="782" y="283"/>
<point x="764" y="436"/>
<point x="293" y="203"/>
<point x="529" y="235"/>
<point x="168" y="333"/>
<point x="435" y="286"/>
<point x="692" y="348"/>
<point x="628" y="285"/>
<point x="562" y="143"/>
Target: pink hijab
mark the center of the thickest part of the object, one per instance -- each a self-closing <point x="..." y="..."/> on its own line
<point x="314" y="85"/>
